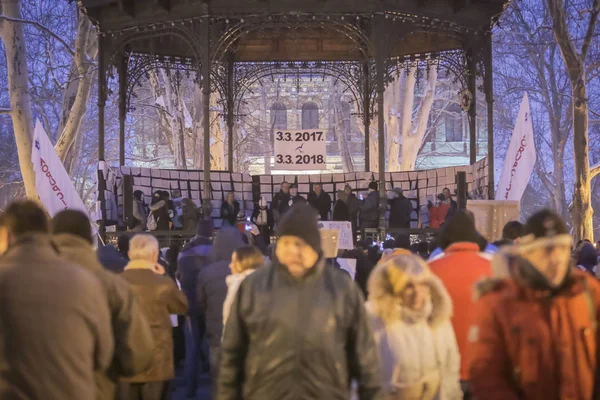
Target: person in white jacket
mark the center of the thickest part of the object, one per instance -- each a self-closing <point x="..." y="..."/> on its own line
<point x="410" y="313"/>
<point x="244" y="261"/>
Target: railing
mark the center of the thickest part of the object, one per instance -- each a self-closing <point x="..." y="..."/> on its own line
<point x="167" y="238"/>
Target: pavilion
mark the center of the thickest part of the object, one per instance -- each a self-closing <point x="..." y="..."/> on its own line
<point x="232" y="43"/>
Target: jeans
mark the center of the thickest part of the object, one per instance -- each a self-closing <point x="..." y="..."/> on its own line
<point x="195" y="358"/>
<point x="214" y="368"/>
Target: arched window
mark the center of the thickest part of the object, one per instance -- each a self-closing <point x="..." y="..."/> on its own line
<point x="453" y="123"/>
<point x="310" y="116"/>
<point x="278" y="116"/>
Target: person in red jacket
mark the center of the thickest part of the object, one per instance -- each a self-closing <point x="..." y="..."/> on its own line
<point x="438" y="212"/>
<point x="461" y="266"/>
<point x="535" y="332"/>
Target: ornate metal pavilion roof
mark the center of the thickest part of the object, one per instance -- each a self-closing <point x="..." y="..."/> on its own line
<point x="294" y="30"/>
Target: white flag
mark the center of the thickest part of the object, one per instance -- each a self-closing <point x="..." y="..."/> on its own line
<point x="52" y="182"/>
<point x="520" y="157"/>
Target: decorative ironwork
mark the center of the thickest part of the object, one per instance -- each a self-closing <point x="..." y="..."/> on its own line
<point x="187" y="33"/>
<point x="139" y="65"/>
<point x="247" y="74"/>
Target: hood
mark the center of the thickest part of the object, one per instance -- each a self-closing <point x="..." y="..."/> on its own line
<point x="381" y="298"/>
<point x="227" y="241"/>
<point x="238" y="278"/>
<point x="588" y="256"/>
<point x="77" y="250"/>
<point x="508" y="263"/>
<point x="111" y="259"/>
<point x="198" y="246"/>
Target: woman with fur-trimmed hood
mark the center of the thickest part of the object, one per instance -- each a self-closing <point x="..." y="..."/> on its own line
<point x="410" y="313"/>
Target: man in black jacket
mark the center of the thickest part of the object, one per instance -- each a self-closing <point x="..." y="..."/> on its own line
<point x="321" y="201"/>
<point x="298" y="330"/>
<point x="281" y="201"/>
<point x="400" y="210"/>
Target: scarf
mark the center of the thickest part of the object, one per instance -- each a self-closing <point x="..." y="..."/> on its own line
<point x="411" y="316"/>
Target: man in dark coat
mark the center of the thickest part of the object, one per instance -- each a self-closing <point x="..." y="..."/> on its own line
<point x="297" y="329"/>
<point x="192" y="258"/>
<point x="369" y="209"/>
<point x="281" y="201"/>
<point x="295" y="198"/>
<point x="133" y="340"/>
<point x="55" y="324"/>
<point x="353" y="209"/>
<point x="321" y="201"/>
<point x="400" y="210"/>
<point x="159" y="297"/>
<point x="211" y="290"/>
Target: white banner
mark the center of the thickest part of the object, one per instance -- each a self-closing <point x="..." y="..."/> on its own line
<point x="520" y="157"/>
<point x="52" y="182"/>
<point x="345" y="241"/>
<point x="300" y="150"/>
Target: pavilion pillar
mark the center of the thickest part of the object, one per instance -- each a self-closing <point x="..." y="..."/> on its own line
<point x="122" y="105"/>
<point x="206" y="67"/>
<point x="366" y="114"/>
<point x="489" y="97"/>
<point x="230" y="122"/>
<point x="101" y="155"/>
<point x="380" y="61"/>
<point x="472" y="86"/>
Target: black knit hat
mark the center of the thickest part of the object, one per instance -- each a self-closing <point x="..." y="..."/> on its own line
<point x="460" y="228"/>
<point x="301" y="221"/>
<point x="545" y="223"/>
<point x="373" y="185"/>
<point x="544" y="228"/>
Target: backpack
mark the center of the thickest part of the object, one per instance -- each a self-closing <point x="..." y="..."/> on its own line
<point x="151" y="224"/>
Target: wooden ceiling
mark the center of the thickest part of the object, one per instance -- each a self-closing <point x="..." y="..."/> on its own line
<point x="446" y="24"/>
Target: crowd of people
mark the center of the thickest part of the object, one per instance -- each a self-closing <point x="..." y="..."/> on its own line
<point x="460" y="319"/>
<point x="164" y="213"/>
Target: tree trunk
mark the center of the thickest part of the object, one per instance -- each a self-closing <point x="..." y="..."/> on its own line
<point x="403" y="101"/>
<point x="267" y="134"/>
<point x="85" y="50"/>
<point x="559" y="197"/>
<point x="412" y="140"/>
<point x="198" y="145"/>
<point x="341" y="129"/>
<point x="582" y="214"/>
<point x="582" y="195"/>
<point x="374" y="145"/>
<point x="217" y="143"/>
<point x="12" y="35"/>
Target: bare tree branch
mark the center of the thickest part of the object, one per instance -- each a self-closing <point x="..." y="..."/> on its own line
<point x="41" y="27"/>
<point x="589" y="34"/>
<point x="5" y="110"/>
<point x="594" y="170"/>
